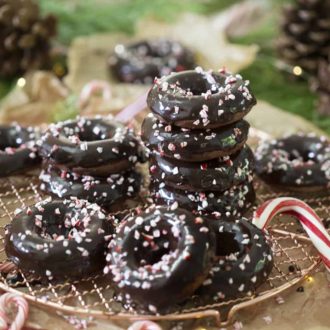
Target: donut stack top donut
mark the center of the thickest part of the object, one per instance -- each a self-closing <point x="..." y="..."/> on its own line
<point x="198" y="99"/>
<point x="88" y="143"/>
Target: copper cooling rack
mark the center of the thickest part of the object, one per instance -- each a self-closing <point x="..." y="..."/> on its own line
<point x="295" y="258"/>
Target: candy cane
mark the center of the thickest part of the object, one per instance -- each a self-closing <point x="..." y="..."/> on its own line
<point x="133" y="109"/>
<point x="22" y="311"/>
<point x="144" y="325"/>
<point x="92" y="88"/>
<point x="305" y="214"/>
<point x="7" y="266"/>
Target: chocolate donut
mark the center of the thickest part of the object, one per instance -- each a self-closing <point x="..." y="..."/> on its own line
<point x="232" y="202"/>
<point x="297" y="162"/>
<point x="193" y="145"/>
<point x="243" y="261"/>
<point x="160" y="257"/>
<point x="141" y="62"/>
<point x="214" y="175"/>
<point x="17" y="149"/>
<point x="58" y="239"/>
<point x="199" y="99"/>
<point x="97" y="146"/>
<point x="102" y="191"/>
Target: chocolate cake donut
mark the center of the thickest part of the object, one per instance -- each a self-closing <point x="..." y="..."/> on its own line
<point x="297" y="162"/>
<point x="197" y="99"/>
<point x="102" y="191"/>
<point x="17" y="149"/>
<point x="58" y="239"/>
<point x="213" y="175"/>
<point x="160" y="257"/>
<point x="193" y="145"/>
<point x="243" y="261"/>
<point x="97" y="146"/>
<point x="232" y="202"/>
<point x="142" y="61"/>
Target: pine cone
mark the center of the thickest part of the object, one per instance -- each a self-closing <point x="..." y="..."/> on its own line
<point x="305" y="38"/>
<point x="322" y="87"/>
<point x="24" y="37"/>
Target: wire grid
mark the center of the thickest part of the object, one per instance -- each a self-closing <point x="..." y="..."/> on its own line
<point x="294" y="258"/>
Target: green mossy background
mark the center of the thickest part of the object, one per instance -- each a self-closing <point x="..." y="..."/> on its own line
<point x="86" y="17"/>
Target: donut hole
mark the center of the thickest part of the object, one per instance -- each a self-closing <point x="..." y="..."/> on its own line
<point x="155" y="49"/>
<point x="301" y="155"/>
<point x="195" y="83"/>
<point x="226" y="244"/>
<point x="89" y="130"/>
<point x="59" y="226"/>
<point x="12" y="137"/>
<point x="152" y="250"/>
<point x="5" y="144"/>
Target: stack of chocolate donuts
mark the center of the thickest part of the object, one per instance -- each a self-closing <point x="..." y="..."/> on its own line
<point x="92" y="159"/>
<point x="196" y="135"/>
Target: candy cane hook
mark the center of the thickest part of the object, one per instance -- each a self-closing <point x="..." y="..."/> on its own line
<point x="309" y="220"/>
<point x="93" y="87"/>
<point x="144" y="325"/>
<point x="22" y="311"/>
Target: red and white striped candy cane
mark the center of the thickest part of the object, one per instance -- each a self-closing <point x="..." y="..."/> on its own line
<point x="7" y="266"/>
<point x="133" y="109"/>
<point x="305" y="214"/>
<point x="93" y="87"/>
<point x="144" y="325"/>
<point x="22" y="311"/>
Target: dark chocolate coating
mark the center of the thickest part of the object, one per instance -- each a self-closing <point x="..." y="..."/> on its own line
<point x="244" y="261"/>
<point x="160" y="257"/>
<point x="213" y="175"/>
<point x="142" y="61"/>
<point x="102" y="191"/>
<point x="198" y="100"/>
<point x="193" y="145"/>
<point x="298" y="162"/>
<point x="58" y="239"/>
<point x="17" y="149"/>
<point x="91" y="146"/>
<point x="233" y="202"/>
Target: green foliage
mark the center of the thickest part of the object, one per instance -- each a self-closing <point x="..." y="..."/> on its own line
<point x="277" y="87"/>
<point x="5" y="86"/>
<point x="66" y="109"/>
<point x="77" y="17"/>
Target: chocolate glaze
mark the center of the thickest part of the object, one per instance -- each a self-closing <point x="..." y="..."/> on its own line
<point x="142" y="61"/>
<point x="160" y="257"/>
<point x="102" y="191"/>
<point x="233" y="202"/>
<point x="17" y="149"/>
<point x="244" y="261"/>
<point x="198" y="99"/>
<point x="193" y="145"/>
<point x="91" y="146"/>
<point x="298" y="162"/>
<point x="58" y="239"/>
<point x="214" y="175"/>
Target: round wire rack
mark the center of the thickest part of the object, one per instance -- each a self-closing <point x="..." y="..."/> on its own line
<point x="294" y="257"/>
